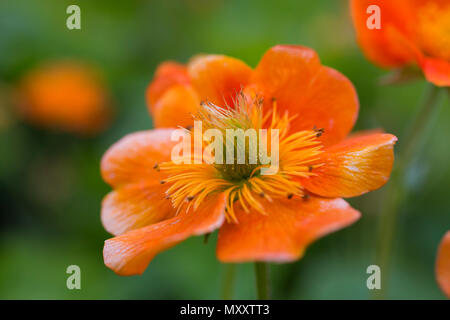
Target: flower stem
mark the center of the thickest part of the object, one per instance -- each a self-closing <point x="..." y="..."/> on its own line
<point x="396" y="190"/>
<point x="228" y="281"/>
<point x="262" y="280"/>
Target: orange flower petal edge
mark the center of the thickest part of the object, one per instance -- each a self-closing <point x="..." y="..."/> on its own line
<point x="134" y="206"/>
<point x="131" y="159"/>
<point x="218" y="78"/>
<point x="289" y="76"/>
<point x="283" y="234"/>
<point x="176" y="107"/>
<point x="443" y="265"/>
<point x="354" y="166"/>
<point x="320" y="96"/>
<point x="168" y="74"/>
<point x="129" y="254"/>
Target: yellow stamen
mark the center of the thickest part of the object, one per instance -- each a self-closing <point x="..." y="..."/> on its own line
<point x="190" y="184"/>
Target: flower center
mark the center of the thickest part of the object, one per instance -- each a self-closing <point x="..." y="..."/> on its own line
<point x="243" y="177"/>
<point x="434" y="30"/>
<point x="241" y="143"/>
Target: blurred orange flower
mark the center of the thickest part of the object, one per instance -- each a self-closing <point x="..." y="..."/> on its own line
<point x="261" y="217"/>
<point x="443" y="265"/>
<point x="66" y="96"/>
<point x="411" y="32"/>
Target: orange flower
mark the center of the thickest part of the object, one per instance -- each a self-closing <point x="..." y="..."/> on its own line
<point x="261" y="217"/>
<point x="443" y="265"/>
<point x="66" y="96"/>
<point x="411" y="32"/>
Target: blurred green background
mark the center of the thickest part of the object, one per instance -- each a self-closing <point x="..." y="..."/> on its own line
<point x="51" y="189"/>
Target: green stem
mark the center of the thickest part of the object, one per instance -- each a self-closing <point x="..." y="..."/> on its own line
<point x="228" y="281"/>
<point x="262" y="280"/>
<point x="416" y="132"/>
<point x="396" y="192"/>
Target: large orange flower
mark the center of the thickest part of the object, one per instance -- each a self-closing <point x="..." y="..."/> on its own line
<point x="412" y="32"/>
<point x="443" y="265"/>
<point x="157" y="203"/>
<point x="66" y="96"/>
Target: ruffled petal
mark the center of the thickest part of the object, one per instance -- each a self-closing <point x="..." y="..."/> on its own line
<point x="176" y="107"/>
<point x="130" y="253"/>
<point x="443" y="265"/>
<point x="357" y="165"/>
<point x="218" y="79"/>
<point x="167" y="75"/>
<point x="321" y="97"/>
<point x="133" y="157"/>
<point x="135" y="206"/>
<point x="284" y="233"/>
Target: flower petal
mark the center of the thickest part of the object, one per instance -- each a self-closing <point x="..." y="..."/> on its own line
<point x="130" y="253"/>
<point x="443" y="265"/>
<point x="135" y="206"/>
<point x="379" y="44"/>
<point x="176" y="107"/>
<point x="167" y="74"/>
<point x="283" y="234"/>
<point x="133" y="157"/>
<point x="357" y="165"/>
<point x="436" y="71"/>
<point x="218" y="78"/>
<point x="319" y="96"/>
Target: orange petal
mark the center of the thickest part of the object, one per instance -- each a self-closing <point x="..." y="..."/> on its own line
<point x="133" y="157"/>
<point x="167" y="74"/>
<point x="437" y="71"/>
<point x="378" y="44"/>
<point x="319" y="96"/>
<point x="218" y="78"/>
<point x="433" y="24"/>
<point x="135" y="206"/>
<point x="130" y="253"/>
<point x="443" y="265"/>
<point x="283" y="234"/>
<point x="357" y="165"/>
<point x="176" y="107"/>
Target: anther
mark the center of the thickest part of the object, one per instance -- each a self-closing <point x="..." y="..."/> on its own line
<point x="156" y="167"/>
<point x="260" y="101"/>
<point x="162" y="181"/>
<point x="190" y="198"/>
<point x="310" y="168"/>
<point x="319" y="132"/>
<point x="262" y="194"/>
<point x="305" y="196"/>
<point x="290" y="195"/>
